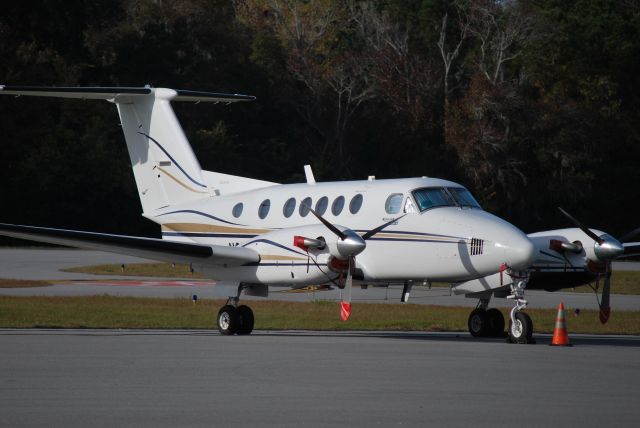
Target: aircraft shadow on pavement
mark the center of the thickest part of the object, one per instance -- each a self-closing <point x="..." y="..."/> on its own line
<point x="602" y="340"/>
<point x="576" y="341"/>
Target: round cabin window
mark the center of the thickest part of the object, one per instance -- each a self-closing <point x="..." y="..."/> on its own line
<point x="321" y="205"/>
<point x="289" y="207"/>
<point x="237" y="209"/>
<point x="337" y="206"/>
<point x="304" y="207"/>
<point x="263" y="210"/>
<point x="355" y="204"/>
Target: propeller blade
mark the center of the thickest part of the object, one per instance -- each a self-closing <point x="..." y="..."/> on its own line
<point x="340" y="234"/>
<point x="605" y="309"/>
<point x="631" y="249"/>
<point x="630" y="235"/>
<point x="345" y="304"/>
<point x="582" y="227"/>
<point x="372" y="232"/>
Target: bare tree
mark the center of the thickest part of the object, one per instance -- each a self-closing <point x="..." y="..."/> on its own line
<point x="340" y="80"/>
<point x="403" y="79"/>
<point x="450" y="51"/>
<point x="502" y="31"/>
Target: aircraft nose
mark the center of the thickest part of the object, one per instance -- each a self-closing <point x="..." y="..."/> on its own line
<point x="519" y="251"/>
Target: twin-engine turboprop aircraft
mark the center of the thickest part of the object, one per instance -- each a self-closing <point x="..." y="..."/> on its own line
<point x="261" y="234"/>
<point x="565" y="258"/>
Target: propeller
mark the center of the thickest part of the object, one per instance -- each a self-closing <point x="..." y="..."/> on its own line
<point x="605" y="308"/>
<point x="582" y="227"/>
<point x="349" y="245"/>
<point x="627" y="237"/>
<point x="606" y="249"/>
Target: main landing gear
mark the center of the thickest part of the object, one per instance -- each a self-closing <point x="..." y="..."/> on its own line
<point x="485" y="322"/>
<point x="234" y="318"/>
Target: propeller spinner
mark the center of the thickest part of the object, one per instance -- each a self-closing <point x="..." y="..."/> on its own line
<point x="348" y="246"/>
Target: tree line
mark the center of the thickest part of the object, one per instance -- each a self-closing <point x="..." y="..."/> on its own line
<point x="530" y="104"/>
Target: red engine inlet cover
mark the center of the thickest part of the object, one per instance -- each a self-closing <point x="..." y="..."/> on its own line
<point x="556" y="245"/>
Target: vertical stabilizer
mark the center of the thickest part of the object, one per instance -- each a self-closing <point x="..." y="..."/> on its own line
<point x="165" y="168"/>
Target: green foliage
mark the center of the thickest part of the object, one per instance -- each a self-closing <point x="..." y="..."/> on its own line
<point x="356" y="88"/>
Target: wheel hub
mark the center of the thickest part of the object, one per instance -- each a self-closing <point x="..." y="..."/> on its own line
<point x="476" y="323"/>
<point x="224" y="320"/>
<point x="516" y="328"/>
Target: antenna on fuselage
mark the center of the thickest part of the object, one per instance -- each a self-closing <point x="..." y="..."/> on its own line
<point x="309" y="174"/>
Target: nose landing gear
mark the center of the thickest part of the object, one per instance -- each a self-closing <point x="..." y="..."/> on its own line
<point x="521" y="325"/>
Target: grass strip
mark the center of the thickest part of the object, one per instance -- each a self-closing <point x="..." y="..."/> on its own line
<point x="131" y="312"/>
<point x="23" y="283"/>
<point x="167" y="270"/>
<point x="622" y="282"/>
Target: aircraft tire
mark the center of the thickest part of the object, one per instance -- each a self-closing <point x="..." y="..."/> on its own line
<point x="246" y="320"/>
<point x="522" y="330"/>
<point x="228" y="320"/>
<point x="478" y="323"/>
<point x="496" y="323"/>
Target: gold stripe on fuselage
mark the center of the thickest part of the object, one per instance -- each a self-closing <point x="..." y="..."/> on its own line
<point x="274" y="257"/>
<point x="209" y="228"/>
<point x="417" y="237"/>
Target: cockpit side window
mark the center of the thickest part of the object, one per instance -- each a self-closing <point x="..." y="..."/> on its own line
<point x="394" y="203"/>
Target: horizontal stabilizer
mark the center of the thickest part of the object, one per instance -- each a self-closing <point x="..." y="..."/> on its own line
<point x="114" y="93"/>
<point x="148" y="248"/>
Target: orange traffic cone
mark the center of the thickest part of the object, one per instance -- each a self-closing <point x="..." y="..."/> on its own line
<point x="560" y="337"/>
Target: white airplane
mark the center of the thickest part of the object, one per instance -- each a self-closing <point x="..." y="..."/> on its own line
<point x="259" y="234"/>
<point x="565" y="258"/>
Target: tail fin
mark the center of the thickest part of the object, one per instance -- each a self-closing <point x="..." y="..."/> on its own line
<point x="166" y="170"/>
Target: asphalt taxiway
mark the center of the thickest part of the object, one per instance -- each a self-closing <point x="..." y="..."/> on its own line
<point x="38" y="263"/>
<point x="167" y="378"/>
<point x="105" y="378"/>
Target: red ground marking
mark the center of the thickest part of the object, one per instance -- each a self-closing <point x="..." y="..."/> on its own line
<point x="129" y="283"/>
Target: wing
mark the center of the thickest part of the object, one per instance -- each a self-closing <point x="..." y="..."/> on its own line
<point x="148" y="248"/>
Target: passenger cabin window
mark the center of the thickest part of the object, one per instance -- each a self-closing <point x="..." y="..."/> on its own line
<point x="433" y="197"/>
<point x="237" y="209"/>
<point x="355" y="204"/>
<point x="263" y="210"/>
<point x="394" y="203"/>
<point x="337" y="206"/>
<point x="321" y="205"/>
<point x="304" y="207"/>
<point x="289" y="207"/>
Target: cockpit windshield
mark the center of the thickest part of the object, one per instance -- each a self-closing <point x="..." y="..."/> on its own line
<point x="463" y="197"/>
<point x="432" y="197"/>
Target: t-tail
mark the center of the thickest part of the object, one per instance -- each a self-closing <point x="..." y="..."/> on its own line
<point x="165" y="167"/>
